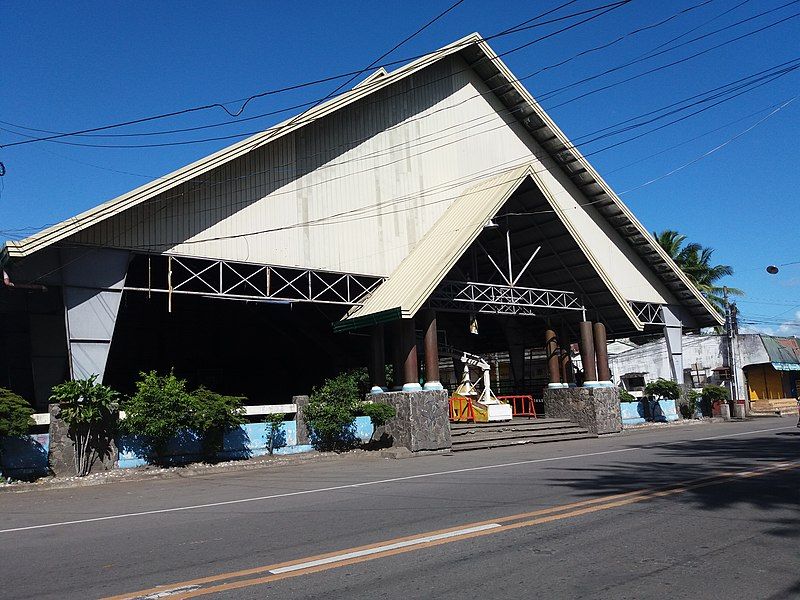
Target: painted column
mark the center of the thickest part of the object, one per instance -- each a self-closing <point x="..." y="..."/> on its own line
<point x="587" y="354"/>
<point x="410" y="364"/>
<point x="398" y="359"/>
<point x="553" y="358"/>
<point x="431" y="344"/>
<point x="601" y="352"/>
<point x="92" y="288"/>
<point x="378" y="360"/>
<point x="673" y="334"/>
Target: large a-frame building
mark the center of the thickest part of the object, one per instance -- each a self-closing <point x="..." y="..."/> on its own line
<point x="417" y="203"/>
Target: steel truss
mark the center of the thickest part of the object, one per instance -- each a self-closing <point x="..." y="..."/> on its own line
<point x="472" y="297"/>
<point x="648" y="313"/>
<point x="266" y="283"/>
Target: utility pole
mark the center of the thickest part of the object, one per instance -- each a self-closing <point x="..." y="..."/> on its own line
<point x="731" y="327"/>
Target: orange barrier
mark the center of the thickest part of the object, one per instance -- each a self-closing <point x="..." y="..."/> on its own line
<point x="521" y="406"/>
<point x="461" y="409"/>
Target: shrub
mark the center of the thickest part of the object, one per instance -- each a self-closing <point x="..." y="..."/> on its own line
<point x="331" y="411"/>
<point x="626" y="396"/>
<point x="663" y="388"/>
<point x="160" y="408"/>
<point x="213" y="414"/>
<point x="275" y="422"/>
<point x="89" y="409"/>
<point x="712" y="394"/>
<point x="15" y="414"/>
<point x="379" y="413"/>
<point x="688" y="410"/>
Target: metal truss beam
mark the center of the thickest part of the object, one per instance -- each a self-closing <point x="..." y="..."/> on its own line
<point x="472" y="297"/>
<point x="649" y="313"/>
<point x="265" y="283"/>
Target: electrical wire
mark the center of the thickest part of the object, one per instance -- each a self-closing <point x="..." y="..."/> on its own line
<point x="603" y="10"/>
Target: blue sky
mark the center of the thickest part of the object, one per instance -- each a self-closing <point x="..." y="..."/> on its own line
<point x="69" y="66"/>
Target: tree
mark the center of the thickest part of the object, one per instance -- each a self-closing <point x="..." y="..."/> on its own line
<point x="89" y="409"/>
<point x="695" y="261"/>
<point x="213" y="414"/>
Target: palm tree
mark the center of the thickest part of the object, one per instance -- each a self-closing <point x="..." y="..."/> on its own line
<point x="695" y="261"/>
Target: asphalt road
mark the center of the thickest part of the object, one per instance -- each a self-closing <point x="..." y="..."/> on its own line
<point x="704" y="511"/>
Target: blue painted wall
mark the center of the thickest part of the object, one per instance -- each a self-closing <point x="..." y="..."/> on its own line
<point x="662" y="411"/>
<point x="245" y="441"/>
<point x="24" y="456"/>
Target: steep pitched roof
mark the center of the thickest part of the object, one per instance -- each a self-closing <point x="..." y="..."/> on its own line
<point x="483" y="60"/>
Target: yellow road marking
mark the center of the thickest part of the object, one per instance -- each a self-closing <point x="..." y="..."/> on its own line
<point x="541" y="516"/>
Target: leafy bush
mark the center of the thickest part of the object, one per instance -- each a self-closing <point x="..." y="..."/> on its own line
<point x="15" y="414"/>
<point x="688" y="410"/>
<point x="712" y="394"/>
<point x="213" y="414"/>
<point x="379" y="413"/>
<point x="275" y="422"/>
<point x="626" y="396"/>
<point x="89" y="409"/>
<point x="160" y="408"/>
<point x="663" y="388"/>
<point x="331" y="411"/>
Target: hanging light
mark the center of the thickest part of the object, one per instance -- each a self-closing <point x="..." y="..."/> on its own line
<point x="473" y="324"/>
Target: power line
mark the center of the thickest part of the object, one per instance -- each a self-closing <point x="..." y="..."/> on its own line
<point x="603" y="10"/>
<point x="312" y="119"/>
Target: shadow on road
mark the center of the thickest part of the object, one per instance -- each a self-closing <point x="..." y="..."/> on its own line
<point x="677" y="462"/>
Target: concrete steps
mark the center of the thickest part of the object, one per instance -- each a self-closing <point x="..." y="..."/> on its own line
<point x="479" y="436"/>
<point x="783" y="407"/>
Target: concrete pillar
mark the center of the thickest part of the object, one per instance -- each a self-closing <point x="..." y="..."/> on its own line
<point x="601" y="352"/>
<point x="553" y="358"/>
<point x="431" y="344"/>
<point x="378" y="360"/>
<point x="398" y="359"/>
<point x="409" y="354"/>
<point x="587" y="354"/>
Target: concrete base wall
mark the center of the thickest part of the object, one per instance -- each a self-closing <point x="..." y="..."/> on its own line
<point x="422" y="421"/>
<point x="596" y="409"/>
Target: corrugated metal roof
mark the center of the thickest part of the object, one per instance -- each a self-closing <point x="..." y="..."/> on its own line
<point x="407" y="289"/>
<point x="514" y="96"/>
<point x="402" y="295"/>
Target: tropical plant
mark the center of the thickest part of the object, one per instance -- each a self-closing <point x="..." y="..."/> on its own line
<point x="275" y="422"/>
<point x="379" y="414"/>
<point x="712" y="394"/>
<point x="90" y="410"/>
<point x="15" y="416"/>
<point x="663" y="388"/>
<point x="331" y="411"/>
<point x="626" y="396"/>
<point x="213" y="414"/>
<point x="160" y="408"/>
<point x="688" y="410"/>
<point x="695" y="261"/>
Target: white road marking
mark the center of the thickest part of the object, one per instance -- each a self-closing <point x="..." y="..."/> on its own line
<point x="384" y="548"/>
<point x="366" y="483"/>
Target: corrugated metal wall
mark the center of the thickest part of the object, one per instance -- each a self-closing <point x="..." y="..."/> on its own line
<point x="356" y="190"/>
<point x="351" y="192"/>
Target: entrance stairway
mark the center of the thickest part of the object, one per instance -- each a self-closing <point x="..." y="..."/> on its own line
<point x="783" y="407"/>
<point x="479" y="436"/>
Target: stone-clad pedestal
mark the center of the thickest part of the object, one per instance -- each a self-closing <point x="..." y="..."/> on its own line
<point x="61" y="453"/>
<point x="422" y="422"/>
<point x="595" y="409"/>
